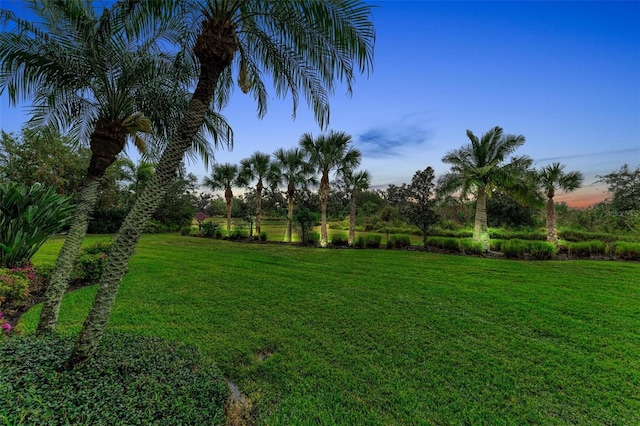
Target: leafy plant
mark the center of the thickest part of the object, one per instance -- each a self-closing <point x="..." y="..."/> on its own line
<point x="210" y="230"/>
<point x="263" y="236"/>
<point x="339" y="240"/>
<point x="514" y="249"/>
<point x="372" y="241"/>
<point x="468" y="246"/>
<point x="28" y="217"/>
<point x="131" y="380"/>
<point x="14" y="285"/>
<point x="399" y="241"/>
<point x="91" y="262"/>
<point x="359" y="242"/>
<point x="627" y="250"/>
<point x="313" y="238"/>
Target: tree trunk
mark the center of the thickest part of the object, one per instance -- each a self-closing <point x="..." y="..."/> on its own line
<point x="324" y="197"/>
<point x="228" y="196"/>
<point x="290" y="195"/>
<point x="67" y="256"/>
<point x="352" y="219"/>
<point x="480" y="228"/>
<point x="552" y="233"/>
<point x="107" y="141"/>
<point x="259" y="188"/>
<point x="215" y="48"/>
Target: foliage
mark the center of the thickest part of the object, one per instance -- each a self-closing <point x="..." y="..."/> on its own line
<point x="372" y="241"/>
<point x="107" y="221"/>
<point x="53" y="161"/>
<point x="468" y="246"/>
<point x="627" y="250"/>
<point x="399" y="241"/>
<point x="313" y="238"/>
<point x="210" y="230"/>
<point x="444" y="243"/>
<point x="624" y="186"/>
<point x="339" y="240"/>
<point x="90" y="262"/>
<point x="586" y="249"/>
<point x="186" y="230"/>
<point x="14" y="286"/>
<point x="263" y="236"/>
<point x="359" y="242"/>
<point x="178" y="206"/>
<point x="504" y="211"/>
<point x="577" y="235"/>
<point x="131" y="380"/>
<point x="28" y="217"/>
<point x="305" y="220"/>
<point x="523" y="249"/>
<point x="420" y="206"/>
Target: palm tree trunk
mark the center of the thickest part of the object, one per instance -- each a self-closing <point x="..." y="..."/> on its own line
<point x="228" y="196"/>
<point x="67" y="255"/>
<point x="552" y="233"/>
<point x="324" y="197"/>
<point x="215" y="47"/>
<point x="352" y="219"/>
<point x="259" y="188"/>
<point x="290" y="195"/>
<point x="480" y="228"/>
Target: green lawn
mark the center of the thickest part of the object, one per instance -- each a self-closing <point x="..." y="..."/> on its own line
<point x="320" y="336"/>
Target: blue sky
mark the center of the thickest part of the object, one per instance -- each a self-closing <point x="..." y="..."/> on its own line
<point x="566" y="75"/>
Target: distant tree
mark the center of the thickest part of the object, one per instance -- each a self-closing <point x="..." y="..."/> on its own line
<point x="294" y="172"/>
<point x="260" y="169"/>
<point x="552" y="178"/>
<point x="329" y="152"/>
<point x="624" y="187"/>
<point x="355" y="183"/>
<point x="420" y="210"/>
<point x="479" y="168"/>
<point x="305" y="220"/>
<point x="504" y="211"/>
<point x="223" y="177"/>
<point x="178" y="206"/>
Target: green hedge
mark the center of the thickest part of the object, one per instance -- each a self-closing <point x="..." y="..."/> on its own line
<point x="527" y="249"/>
<point x="131" y="380"/>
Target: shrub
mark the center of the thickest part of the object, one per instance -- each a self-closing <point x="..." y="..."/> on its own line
<point x="627" y="251"/>
<point x="130" y="380"/>
<point x="581" y="249"/>
<point x="91" y="262"/>
<point x="496" y="244"/>
<point x="14" y="286"/>
<point x="210" y="230"/>
<point x="185" y="231"/>
<point x="468" y="246"/>
<point x="372" y="241"/>
<point x="313" y="237"/>
<point x="541" y="250"/>
<point x="238" y="234"/>
<point x="399" y="241"/>
<point x="359" y="242"/>
<point x="107" y="221"/>
<point x="154" y="227"/>
<point x="514" y="249"/>
<point x="29" y="216"/>
<point x="340" y="240"/>
<point x="576" y="236"/>
<point x="263" y="236"/>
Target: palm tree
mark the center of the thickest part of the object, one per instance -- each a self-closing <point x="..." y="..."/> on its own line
<point x="478" y="168"/>
<point x="552" y="178"/>
<point x="305" y="46"/>
<point x="355" y="183"/>
<point x="223" y="177"/>
<point x="294" y="171"/>
<point x="330" y="152"/>
<point x="257" y="168"/>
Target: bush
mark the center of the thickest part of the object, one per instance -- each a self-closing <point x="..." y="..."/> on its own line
<point x="444" y="243"/>
<point x="154" y="227"/>
<point x="263" y="236"/>
<point x="107" y="221"/>
<point x="185" y="231"/>
<point x="28" y="217"/>
<point x="399" y="241"/>
<point x="521" y="249"/>
<point x="130" y="380"/>
<point x="577" y="236"/>
<point x="14" y="286"/>
<point x="585" y="249"/>
<point x="372" y="241"/>
<point x="468" y="246"/>
<point x="496" y="244"/>
<point x="359" y="242"/>
<point x="91" y="262"/>
<point x="313" y="238"/>
<point x="210" y="230"/>
<point x="238" y="234"/>
<point x="340" y="240"/>
<point x="627" y="251"/>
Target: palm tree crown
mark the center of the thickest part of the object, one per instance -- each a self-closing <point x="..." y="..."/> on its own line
<point x="223" y="177"/>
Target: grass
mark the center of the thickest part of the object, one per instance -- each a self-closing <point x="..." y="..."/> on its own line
<point x="390" y="337"/>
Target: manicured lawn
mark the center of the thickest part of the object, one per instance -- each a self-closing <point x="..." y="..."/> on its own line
<point x="319" y="336"/>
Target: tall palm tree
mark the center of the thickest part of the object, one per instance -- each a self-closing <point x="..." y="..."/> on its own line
<point x="223" y="177"/>
<point x="294" y="172"/>
<point x="355" y="183"/>
<point x="552" y="178"/>
<point x="479" y="168"/>
<point x="260" y="169"/>
<point x="330" y="152"/>
<point x="305" y="46"/>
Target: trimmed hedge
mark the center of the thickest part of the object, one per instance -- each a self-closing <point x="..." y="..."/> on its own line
<point x="399" y="241"/>
<point x="627" y="251"/>
<point x="523" y="249"/>
<point x="131" y="380"/>
<point x="340" y="240"/>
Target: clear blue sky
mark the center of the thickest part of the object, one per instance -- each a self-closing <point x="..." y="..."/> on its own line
<point x="566" y="75"/>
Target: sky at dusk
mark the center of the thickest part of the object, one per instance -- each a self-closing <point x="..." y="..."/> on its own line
<point x="566" y="75"/>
